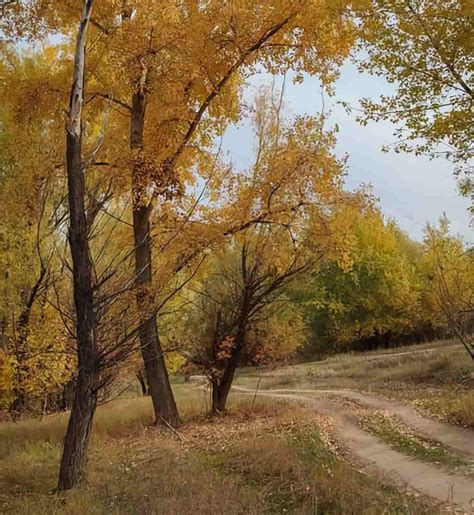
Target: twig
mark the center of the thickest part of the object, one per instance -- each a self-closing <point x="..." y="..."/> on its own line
<point x="169" y="426"/>
<point x="205" y="398"/>
<point x="255" y="395"/>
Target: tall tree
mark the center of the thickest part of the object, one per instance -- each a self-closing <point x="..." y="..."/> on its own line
<point x="185" y="81"/>
<point x="88" y="377"/>
<point x="450" y="271"/>
<point x="31" y="209"/>
<point x="295" y="193"/>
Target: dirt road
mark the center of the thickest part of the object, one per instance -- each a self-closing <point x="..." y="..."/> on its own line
<point x="378" y="457"/>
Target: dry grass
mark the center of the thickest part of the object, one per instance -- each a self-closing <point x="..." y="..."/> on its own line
<point x="455" y="407"/>
<point x="121" y="416"/>
<point x="269" y="461"/>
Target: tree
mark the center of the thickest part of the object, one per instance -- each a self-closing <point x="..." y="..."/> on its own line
<point x="450" y="270"/>
<point x="88" y="378"/>
<point x="245" y="34"/>
<point x="295" y="192"/>
<point x="374" y="300"/>
<point x="31" y="338"/>
<point x="233" y="313"/>
<point x="424" y="47"/>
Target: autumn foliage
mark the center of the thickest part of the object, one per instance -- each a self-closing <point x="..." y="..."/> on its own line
<point x="131" y="245"/>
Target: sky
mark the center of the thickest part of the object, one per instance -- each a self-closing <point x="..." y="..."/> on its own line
<point x="412" y="189"/>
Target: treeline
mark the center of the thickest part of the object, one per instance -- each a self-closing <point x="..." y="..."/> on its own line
<point x="130" y="245"/>
<point x="396" y="290"/>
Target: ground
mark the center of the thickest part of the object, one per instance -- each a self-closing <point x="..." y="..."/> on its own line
<point x="353" y="434"/>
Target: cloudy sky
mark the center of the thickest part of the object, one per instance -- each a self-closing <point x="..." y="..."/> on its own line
<point x="411" y="189"/>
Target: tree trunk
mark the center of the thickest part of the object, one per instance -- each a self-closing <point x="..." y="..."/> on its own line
<point x="142" y="381"/>
<point x="159" y="386"/>
<point x="76" y="441"/>
<point x="221" y="388"/>
<point x="21" y="351"/>
<point x="73" y="462"/>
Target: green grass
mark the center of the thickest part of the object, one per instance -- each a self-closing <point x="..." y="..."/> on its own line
<point x="400" y="437"/>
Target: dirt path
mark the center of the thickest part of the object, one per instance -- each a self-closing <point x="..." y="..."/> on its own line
<point x="377" y="455"/>
<point x="449" y="435"/>
<point x="457" y="438"/>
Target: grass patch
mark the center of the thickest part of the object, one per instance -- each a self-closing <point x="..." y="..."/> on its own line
<point x="400" y="437"/>
<point x="457" y="408"/>
<point x="117" y="418"/>
<point x="289" y="470"/>
<point x="286" y="467"/>
<point x="350" y="490"/>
